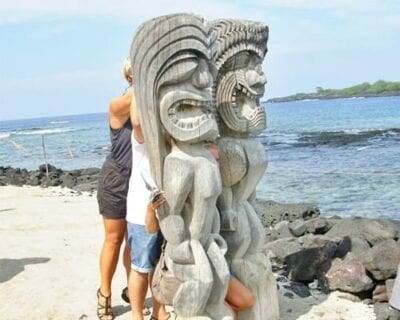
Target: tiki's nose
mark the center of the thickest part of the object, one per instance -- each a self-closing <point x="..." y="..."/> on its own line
<point x="202" y="77"/>
<point x="255" y="78"/>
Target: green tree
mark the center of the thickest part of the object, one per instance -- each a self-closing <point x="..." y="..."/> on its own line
<point x="319" y="90"/>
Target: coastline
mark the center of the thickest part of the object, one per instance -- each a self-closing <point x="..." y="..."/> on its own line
<point x="314" y="96"/>
<point x="326" y="145"/>
<point x="81" y="180"/>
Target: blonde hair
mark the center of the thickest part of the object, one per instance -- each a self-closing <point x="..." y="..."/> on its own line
<point x="127" y="70"/>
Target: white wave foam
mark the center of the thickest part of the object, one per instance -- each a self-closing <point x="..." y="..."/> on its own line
<point x="4" y="135"/>
<point x="41" y="131"/>
<point x="350" y="131"/>
<point x="391" y="131"/>
<point x="58" y="122"/>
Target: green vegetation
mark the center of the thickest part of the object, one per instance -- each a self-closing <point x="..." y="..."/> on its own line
<point x="377" y="89"/>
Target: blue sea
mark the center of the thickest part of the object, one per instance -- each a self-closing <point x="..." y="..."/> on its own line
<point x="343" y="155"/>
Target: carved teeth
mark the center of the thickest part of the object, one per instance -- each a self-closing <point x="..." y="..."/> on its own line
<point x="187" y="114"/>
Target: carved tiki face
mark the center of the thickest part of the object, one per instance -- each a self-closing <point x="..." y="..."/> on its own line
<point x="241" y="47"/>
<point x="171" y="58"/>
<point x="186" y="99"/>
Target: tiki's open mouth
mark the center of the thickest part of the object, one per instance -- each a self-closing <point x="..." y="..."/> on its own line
<point x="188" y="116"/>
<point x="190" y="113"/>
<point x="246" y="102"/>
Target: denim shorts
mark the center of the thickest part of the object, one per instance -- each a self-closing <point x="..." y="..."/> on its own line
<point x="145" y="248"/>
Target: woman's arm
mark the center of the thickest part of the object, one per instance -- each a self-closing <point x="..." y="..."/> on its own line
<point x="119" y="110"/>
<point x="151" y="221"/>
<point x="137" y="129"/>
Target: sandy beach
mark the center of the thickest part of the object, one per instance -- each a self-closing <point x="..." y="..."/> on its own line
<point x="49" y="255"/>
<point x="50" y="240"/>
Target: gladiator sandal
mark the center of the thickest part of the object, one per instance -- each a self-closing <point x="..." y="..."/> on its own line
<point x="104" y="311"/>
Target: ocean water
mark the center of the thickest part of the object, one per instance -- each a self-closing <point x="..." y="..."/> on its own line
<point x="343" y="155"/>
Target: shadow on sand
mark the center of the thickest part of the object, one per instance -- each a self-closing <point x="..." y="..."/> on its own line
<point x="120" y="309"/>
<point x="9" y="268"/>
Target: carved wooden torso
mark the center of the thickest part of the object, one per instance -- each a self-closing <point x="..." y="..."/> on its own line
<point x="243" y="163"/>
<point x="199" y="181"/>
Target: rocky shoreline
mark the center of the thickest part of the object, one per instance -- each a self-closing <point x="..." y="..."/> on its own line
<point x="311" y="255"/>
<point x="79" y="180"/>
<point x="313" y="96"/>
<point x="314" y="255"/>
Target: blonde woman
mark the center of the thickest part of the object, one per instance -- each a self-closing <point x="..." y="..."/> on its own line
<point x="112" y="193"/>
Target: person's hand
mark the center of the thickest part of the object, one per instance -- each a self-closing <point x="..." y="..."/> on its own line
<point x="158" y="199"/>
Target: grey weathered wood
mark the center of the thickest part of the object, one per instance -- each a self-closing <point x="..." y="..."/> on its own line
<point x="171" y="60"/>
<point x="181" y="65"/>
<point x="240" y="49"/>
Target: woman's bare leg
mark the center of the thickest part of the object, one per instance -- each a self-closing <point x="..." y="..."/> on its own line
<point x="114" y="230"/>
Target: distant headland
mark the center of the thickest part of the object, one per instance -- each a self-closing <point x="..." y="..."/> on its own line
<point x="380" y="88"/>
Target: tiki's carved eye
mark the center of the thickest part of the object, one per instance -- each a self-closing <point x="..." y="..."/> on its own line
<point x="180" y="71"/>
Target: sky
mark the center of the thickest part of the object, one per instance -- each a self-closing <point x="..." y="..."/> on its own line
<point x="65" y="57"/>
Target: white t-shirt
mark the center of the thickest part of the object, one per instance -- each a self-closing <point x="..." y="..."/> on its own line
<point x="138" y="194"/>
